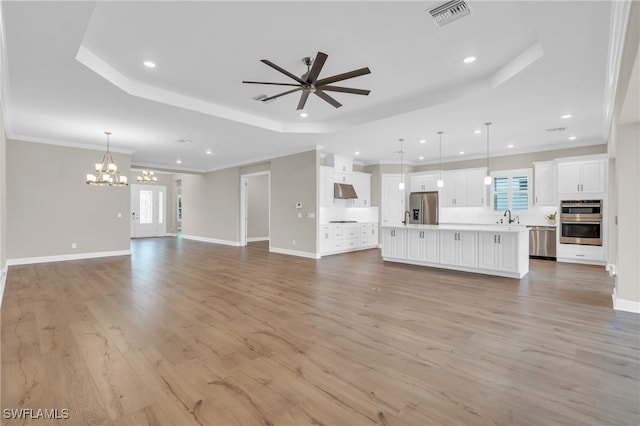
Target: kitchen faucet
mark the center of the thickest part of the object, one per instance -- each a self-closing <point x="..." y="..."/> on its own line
<point x="505" y="214"/>
<point x="407" y="212"/>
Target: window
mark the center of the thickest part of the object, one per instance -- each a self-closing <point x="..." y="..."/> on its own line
<point x="511" y="190"/>
<point x="160" y="206"/>
<point x="146" y="207"/>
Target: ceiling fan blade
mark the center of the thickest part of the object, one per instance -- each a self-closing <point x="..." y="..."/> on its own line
<point x="328" y="98"/>
<point x="344" y="76"/>
<point x="318" y="63"/>
<point x="303" y="100"/>
<point x="281" y="94"/>
<point x="346" y="90"/>
<point x="275" y="84"/>
<point x="283" y="71"/>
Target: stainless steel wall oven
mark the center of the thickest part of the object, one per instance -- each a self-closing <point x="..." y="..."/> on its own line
<point x="581" y="222"/>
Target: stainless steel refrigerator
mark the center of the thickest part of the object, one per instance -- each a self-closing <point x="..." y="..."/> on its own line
<point x="423" y="207"/>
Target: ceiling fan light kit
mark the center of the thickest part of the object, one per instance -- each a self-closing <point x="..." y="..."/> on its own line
<point x="309" y="83"/>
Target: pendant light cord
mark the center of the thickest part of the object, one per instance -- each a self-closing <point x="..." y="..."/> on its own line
<point x="440" y="154"/>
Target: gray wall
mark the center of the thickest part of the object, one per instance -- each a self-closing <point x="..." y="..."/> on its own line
<point x="294" y="178"/>
<point x="211" y="204"/>
<point x="628" y="238"/>
<point x="52" y="206"/>
<point x="3" y="198"/>
<point x="258" y="206"/>
<point x="255" y="168"/>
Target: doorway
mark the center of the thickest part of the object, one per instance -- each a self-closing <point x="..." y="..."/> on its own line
<point x="255" y="207"/>
<point x="148" y="211"/>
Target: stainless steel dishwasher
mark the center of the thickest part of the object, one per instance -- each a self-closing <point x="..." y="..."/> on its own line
<point x="542" y="242"/>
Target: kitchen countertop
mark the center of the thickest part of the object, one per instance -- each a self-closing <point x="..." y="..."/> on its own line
<point x="465" y="227"/>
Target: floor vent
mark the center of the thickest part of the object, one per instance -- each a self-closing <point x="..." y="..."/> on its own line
<point x="450" y="11"/>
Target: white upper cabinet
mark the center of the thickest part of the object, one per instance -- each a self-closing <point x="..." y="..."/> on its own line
<point x="424" y="182"/>
<point x="580" y="177"/>
<point x="362" y="184"/>
<point x="340" y="164"/>
<point x="464" y="188"/>
<point x="545" y="183"/>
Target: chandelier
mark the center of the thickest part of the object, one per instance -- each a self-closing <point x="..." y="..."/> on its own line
<point x="107" y="173"/>
<point x="147" y="177"/>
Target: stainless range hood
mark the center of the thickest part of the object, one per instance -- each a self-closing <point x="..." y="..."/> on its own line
<point x="344" y="191"/>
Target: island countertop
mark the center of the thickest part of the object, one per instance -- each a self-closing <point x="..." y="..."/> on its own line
<point x="463" y="227"/>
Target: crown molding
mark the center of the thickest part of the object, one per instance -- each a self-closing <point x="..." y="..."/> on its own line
<point x="30" y="139"/>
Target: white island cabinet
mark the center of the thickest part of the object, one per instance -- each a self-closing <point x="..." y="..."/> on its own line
<point x="484" y="249"/>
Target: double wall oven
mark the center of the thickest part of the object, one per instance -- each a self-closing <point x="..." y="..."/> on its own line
<point x="581" y="222"/>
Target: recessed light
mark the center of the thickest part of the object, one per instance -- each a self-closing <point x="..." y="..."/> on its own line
<point x="572" y="138"/>
<point x="356" y="153"/>
<point x="209" y="152"/>
<point x="179" y="161"/>
<point x="149" y="64"/>
<point x="510" y="145"/>
<point x="304" y="114"/>
<point x="461" y="152"/>
<point x="477" y="132"/>
<point x="421" y="158"/>
<point x="469" y="59"/>
<point x="566" y="116"/>
<point x="423" y="141"/>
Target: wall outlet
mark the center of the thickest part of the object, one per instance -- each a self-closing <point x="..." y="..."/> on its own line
<point x="311" y="215"/>
<point x="74" y="245"/>
<point x="294" y="242"/>
<point x="119" y="214"/>
<point x="299" y="215"/>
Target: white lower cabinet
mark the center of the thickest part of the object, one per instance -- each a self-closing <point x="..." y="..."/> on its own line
<point x="394" y="242"/>
<point x="344" y="237"/>
<point x="493" y="252"/>
<point x="459" y="248"/>
<point x="498" y="251"/>
<point x="422" y="244"/>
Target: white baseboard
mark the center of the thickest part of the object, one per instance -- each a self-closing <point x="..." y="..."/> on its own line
<point x="298" y="253"/>
<point x="582" y="261"/>
<point x="211" y="240"/>
<point x="66" y="257"/>
<point x="254" y="239"/>
<point x="624" y="305"/>
<point x="3" y="280"/>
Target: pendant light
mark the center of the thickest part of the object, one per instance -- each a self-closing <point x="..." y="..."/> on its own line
<point x="401" y="152"/>
<point x="107" y="173"/>
<point x="487" y="178"/>
<point x="440" y="182"/>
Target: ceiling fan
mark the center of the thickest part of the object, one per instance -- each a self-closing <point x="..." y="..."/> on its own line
<point x="309" y="82"/>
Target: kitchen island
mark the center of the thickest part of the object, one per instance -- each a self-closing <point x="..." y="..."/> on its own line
<point x="501" y="250"/>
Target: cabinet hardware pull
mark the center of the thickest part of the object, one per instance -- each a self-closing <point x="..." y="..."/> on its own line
<point x="499" y="239"/>
<point x="578" y="187"/>
<point x="494" y="239"/>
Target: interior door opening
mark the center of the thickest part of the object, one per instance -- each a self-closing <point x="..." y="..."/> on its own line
<point x="255" y="196"/>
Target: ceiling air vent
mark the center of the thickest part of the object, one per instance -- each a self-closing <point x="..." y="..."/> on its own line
<point x="556" y="129"/>
<point x="450" y="11"/>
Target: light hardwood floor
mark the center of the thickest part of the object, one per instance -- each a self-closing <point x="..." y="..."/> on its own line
<point x="189" y="333"/>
